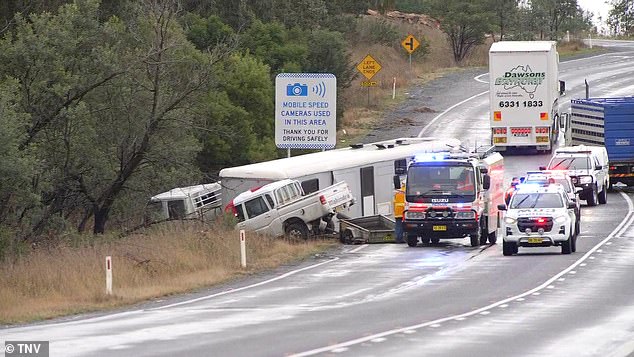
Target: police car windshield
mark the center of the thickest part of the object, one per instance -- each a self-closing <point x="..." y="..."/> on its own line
<point x="427" y="180"/>
<point x="569" y="163"/>
<point x="536" y="200"/>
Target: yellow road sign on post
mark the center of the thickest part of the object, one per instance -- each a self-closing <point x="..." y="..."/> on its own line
<point x="369" y="67"/>
<point x="410" y="43"/>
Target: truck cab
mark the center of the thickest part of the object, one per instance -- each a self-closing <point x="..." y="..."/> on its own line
<point x="449" y="195"/>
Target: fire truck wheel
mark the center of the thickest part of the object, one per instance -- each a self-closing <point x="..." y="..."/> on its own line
<point x="493" y="237"/>
<point x="412" y="240"/>
<point x="435" y="240"/>
<point x="475" y="238"/>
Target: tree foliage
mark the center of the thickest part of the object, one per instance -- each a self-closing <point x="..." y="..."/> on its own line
<point x="464" y="22"/>
<point x="621" y="17"/>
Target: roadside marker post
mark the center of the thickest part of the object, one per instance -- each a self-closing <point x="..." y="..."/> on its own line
<point x="243" y="249"/>
<point x="109" y="275"/>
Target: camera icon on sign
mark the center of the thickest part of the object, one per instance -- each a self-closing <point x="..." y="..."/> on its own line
<point x="297" y="90"/>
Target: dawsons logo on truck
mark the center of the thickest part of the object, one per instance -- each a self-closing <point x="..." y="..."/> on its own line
<point x="521" y="77"/>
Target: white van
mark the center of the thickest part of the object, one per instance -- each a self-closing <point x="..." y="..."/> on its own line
<point x="588" y="168"/>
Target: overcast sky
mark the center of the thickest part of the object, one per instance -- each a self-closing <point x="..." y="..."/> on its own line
<point x="598" y="7"/>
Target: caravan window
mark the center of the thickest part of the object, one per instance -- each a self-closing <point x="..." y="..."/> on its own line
<point x="310" y="186"/>
<point x="256" y="207"/>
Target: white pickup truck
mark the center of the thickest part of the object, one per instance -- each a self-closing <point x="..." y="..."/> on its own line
<point x="281" y="208"/>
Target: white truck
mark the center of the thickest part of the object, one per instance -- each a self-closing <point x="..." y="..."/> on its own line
<point x="453" y="195"/>
<point x="587" y="167"/>
<point x="281" y="208"/>
<point x="524" y="91"/>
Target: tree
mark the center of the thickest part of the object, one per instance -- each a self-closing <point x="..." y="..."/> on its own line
<point x="553" y="14"/>
<point x="621" y="17"/>
<point x="505" y="14"/>
<point x="109" y="106"/>
<point x="464" y="22"/>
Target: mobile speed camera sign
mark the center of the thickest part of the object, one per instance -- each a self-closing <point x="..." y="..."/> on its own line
<point x="305" y="110"/>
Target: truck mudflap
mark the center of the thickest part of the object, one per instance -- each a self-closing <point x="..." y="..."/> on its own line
<point x="441" y="228"/>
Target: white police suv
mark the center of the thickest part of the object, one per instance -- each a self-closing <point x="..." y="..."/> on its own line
<point x="539" y="216"/>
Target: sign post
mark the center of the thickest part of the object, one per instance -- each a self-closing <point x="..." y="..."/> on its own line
<point x="109" y="275"/>
<point x="305" y="111"/>
<point x="369" y="67"/>
<point x="243" y="249"/>
<point x="410" y="43"/>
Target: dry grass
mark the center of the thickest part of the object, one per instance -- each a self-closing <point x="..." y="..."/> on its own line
<point x="366" y="106"/>
<point x="171" y="259"/>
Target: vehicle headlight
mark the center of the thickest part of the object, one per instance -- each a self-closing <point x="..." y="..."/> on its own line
<point x="585" y="179"/>
<point x="414" y="215"/>
<point x="560" y="219"/>
<point x="509" y="220"/>
<point x="465" y="215"/>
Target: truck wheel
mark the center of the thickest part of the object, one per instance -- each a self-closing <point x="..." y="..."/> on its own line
<point x="508" y="248"/>
<point x="603" y="195"/>
<point x="435" y="240"/>
<point x="573" y="244"/>
<point x="493" y="237"/>
<point x="411" y="239"/>
<point x="577" y="227"/>
<point x="425" y="240"/>
<point x="484" y="235"/>
<point x="475" y="238"/>
<point x="297" y="230"/>
<point x="594" y="197"/>
<point x="566" y="246"/>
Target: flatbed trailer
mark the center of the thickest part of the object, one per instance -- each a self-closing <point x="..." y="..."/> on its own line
<point x="369" y="229"/>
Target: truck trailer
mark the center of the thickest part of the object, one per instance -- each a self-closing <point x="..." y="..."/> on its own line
<point x="607" y="122"/>
<point x="524" y="91"/>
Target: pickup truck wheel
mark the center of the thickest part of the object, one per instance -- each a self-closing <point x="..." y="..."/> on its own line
<point x="297" y="231"/>
<point x="508" y="248"/>
<point x="566" y="246"/>
<point x="603" y="195"/>
<point x="594" y="197"/>
<point x="412" y="240"/>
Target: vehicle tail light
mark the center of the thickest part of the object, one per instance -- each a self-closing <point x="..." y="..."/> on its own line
<point x="521" y="130"/>
<point x="542" y="130"/>
<point x="322" y="199"/>
<point x="499" y="131"/>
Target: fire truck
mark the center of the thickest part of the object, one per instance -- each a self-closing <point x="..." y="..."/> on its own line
<point x="452" y="195"/>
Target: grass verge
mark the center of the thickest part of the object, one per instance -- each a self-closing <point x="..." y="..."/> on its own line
<point x="69" y="277"/>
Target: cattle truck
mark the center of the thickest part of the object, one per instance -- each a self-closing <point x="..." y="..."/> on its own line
<point x="524" y="90"/>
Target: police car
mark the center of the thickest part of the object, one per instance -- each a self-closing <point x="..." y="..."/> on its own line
<point x="539" y="216"/>
<point x="563" y="179"/>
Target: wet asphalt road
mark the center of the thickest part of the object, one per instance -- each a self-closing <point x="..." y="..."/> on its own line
<point x="392" y="300"/>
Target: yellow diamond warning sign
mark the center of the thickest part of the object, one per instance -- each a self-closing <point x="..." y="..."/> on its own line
<point x="369" y="67"/>
<point x="410" y="43"/>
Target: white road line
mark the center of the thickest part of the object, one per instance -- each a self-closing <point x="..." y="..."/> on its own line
<point x="358" y="248"/>
<point x="446" y="111"/>
<point x="625" y="223"/>
<point x="285" y="275"/>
